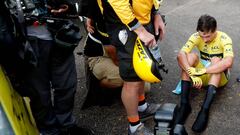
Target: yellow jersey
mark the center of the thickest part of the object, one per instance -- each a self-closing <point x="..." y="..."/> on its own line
<point x="221" y="46"/>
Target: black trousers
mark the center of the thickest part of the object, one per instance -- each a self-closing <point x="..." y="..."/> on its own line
<point x="8" y="46"/>
<point x="51" y="86"/>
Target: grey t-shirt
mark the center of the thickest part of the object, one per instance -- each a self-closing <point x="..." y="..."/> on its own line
<point x="40" y="32"/>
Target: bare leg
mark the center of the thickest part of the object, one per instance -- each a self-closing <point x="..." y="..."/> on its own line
<point x="215" y="78"/>
<point x="130" y="94"/>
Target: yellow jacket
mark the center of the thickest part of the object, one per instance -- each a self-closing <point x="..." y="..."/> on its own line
<point x="129" y="12"/>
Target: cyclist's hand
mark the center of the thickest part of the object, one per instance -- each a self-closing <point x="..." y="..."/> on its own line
<point x="196" y="71"/>
<point x="197" y="82"/>
<point x="145" y="36"/>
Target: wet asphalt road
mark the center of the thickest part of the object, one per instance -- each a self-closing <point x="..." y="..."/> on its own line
<point x="181" y="17"/>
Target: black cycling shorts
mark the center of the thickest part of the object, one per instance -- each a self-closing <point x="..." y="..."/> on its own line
<point x="124" y="41"/>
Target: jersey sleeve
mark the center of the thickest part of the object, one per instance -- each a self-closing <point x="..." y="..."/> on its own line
<point x="124" y="11"/>
<point x="227" y="45"/>
<point x="192" y="41"/>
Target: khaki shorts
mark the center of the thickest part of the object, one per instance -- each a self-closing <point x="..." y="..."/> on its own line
<point x="206" y="77"/>
<point x="104" y="68"/>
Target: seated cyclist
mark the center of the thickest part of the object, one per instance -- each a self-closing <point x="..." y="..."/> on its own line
<point x="210" y="68"/>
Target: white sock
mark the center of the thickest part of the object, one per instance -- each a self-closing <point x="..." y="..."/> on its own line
<point x="134" y="128"/>
<point x="143" y="107"/>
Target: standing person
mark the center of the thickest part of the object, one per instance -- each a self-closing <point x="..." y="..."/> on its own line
<point x="8" y="46"/>
<point x="125" y="21"/>
<point x="210" y="69"/>
<point x="55" y="69"/>
<point x="100" y="53"/>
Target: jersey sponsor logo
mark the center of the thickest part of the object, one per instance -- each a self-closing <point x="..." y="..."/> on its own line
<point x="228" y="50"/>
<point x="223" y="37"/>
<point x="186" y="46"/>
<point x="191" y="41"/>
<point x="215" y="48"/>
<point x="205" y="48"/>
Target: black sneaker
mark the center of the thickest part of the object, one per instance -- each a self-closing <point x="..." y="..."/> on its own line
<point x="183" y="112"/>
<point x="141" y="130"/>
<point x="75" y="130"/>
<point x="200" y="123"/>
<point x="149" y="112"/>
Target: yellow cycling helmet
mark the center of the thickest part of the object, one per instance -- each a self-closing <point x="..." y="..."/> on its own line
<point x="146" y="67"/>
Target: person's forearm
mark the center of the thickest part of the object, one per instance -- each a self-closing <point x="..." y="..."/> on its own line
<point x="182" y="60"/>
<point x="139" y="30"/>
<point x="220" y="66"/>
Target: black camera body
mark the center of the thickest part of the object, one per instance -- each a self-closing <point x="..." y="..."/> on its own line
<point x="164" y="119"/>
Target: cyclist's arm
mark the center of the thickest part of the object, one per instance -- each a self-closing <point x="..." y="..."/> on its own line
<point x="187" y="48"/>
<point x="227" y="60"/>
<point x="182" y="60"/>
<point x="220" y="66"/>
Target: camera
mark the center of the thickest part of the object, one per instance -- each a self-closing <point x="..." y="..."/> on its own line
<point x="164" y="119"/>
